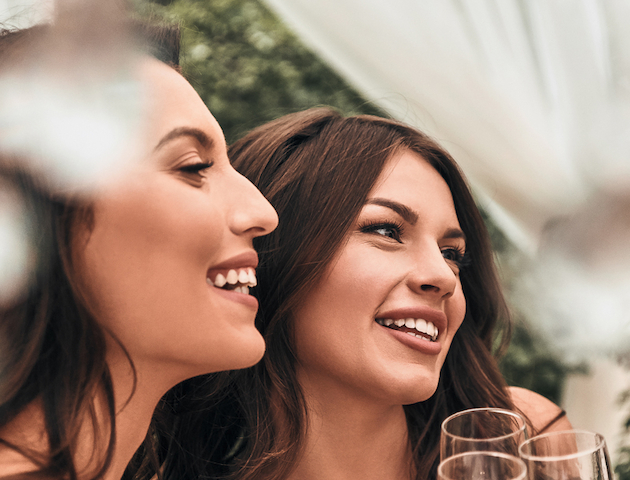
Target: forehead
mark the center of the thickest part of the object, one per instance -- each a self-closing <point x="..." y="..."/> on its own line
<point x="409" y="175"/>
<point x="410" y="181"/>
<point x="172" y="103"/>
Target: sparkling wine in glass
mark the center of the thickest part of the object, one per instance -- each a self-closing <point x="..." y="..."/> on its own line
<point x="482" y="429"/>
<point x="567" y="455"/>
<point x="482" y="466"/>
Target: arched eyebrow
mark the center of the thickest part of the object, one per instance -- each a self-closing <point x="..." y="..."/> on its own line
<point x="454" y="233"/>
<point x="408" y="215"/>
<point x="199" y="135"/>
<point x="411" y="217"/>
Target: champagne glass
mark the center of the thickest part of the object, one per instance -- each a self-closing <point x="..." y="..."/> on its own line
<point x="567" y="455"/>
<point x="482" y="466"/>
<point x="482" y="429"/>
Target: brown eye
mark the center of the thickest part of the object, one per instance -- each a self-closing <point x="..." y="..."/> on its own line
<point x="457" y="257"/>
<point x="384" y="229"/>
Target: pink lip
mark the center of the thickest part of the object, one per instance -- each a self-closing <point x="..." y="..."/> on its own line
<point x="248" y="300"/>
<point x="243" y="260"/>
<point x="436" y="317"/>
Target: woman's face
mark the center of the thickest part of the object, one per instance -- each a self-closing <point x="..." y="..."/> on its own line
<point x="168" y="233"/>
<point x="380" y="322"/>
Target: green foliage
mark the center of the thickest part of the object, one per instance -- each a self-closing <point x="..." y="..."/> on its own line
<point x="249" y="68"/>
<point x="622" y="469"/>
<point x="529" y="361"/>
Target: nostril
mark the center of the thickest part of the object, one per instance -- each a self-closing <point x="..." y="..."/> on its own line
<point x="429" y="288"/>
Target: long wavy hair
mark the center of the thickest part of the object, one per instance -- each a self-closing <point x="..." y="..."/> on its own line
<point x="52" y="349"/>
<point x="316" y="168"/>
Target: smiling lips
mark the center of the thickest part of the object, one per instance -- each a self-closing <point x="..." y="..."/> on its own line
<point x="416" y="327"/>
<point x="238" y="280"/>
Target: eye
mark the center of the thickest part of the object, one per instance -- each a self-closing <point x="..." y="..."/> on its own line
<point x="195" y="168"/>
<point x="384" y="229"/>
<point x="457" y="257"/>
<point x="193" y="173"/>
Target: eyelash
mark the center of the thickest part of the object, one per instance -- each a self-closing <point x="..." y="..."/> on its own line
<point x="460" y="258"/>
<point x="195" y="168"/>
<point x="373" y="227"/>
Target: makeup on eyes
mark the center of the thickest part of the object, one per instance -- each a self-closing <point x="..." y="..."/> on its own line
<point x="196" y="167"/>
<point x="394" y="229"/>
<point x="458" y="257"/>
<point x="386" y="228"/>
<point x="183" y="152"/>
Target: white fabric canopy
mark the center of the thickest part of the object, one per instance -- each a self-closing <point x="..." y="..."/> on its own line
<point x="530" y="96"/>
<point x="23" y="13"/>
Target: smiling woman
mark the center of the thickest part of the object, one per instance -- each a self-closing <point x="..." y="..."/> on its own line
<point x="380" y="306"/>
<point x="125" y="301"/>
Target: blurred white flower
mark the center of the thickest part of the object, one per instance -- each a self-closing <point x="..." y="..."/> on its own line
<point x="16" y="252"/>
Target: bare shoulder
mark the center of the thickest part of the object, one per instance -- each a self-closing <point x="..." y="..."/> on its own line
<point x="24" y="431"/>
<point x="543" y="413"/>
<point x="14" y="465"/>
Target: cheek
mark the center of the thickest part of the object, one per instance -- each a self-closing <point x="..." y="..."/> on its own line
<point x="455" y="311"/>
<point x="147" y="255"/>
<point x="335" y="320"/>
<point x="352" y="289"/>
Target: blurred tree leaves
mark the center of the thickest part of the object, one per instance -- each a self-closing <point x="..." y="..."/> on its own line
<point x="529" y="361"/>
<point x="249" y="68"/>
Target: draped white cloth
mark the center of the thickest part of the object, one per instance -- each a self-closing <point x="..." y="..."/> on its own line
<point x="530" y="96"/>
<point x="23" y="13"/>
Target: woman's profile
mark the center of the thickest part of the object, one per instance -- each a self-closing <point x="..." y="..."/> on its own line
<point x="380" y="307"/>
<point x="141" y="283"/>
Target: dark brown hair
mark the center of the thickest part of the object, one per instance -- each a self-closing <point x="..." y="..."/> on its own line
<point x="316" y="168"/>
<point x="53" y="350"/>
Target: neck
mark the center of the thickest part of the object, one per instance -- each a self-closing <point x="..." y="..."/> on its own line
<point x="133" y="417"/>
<point x="350" y="438"/>
<point x="134" y="409"/>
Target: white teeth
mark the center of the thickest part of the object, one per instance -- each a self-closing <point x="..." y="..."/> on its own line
<point x="244" y="289"/>
<point x="429" y="329"/>
<point x="220" y="281"/>
<point x="243" y="277"/>
<point x="232" y="277"/>
<point x="426" y="327"/>
<point x="419" y="324"/>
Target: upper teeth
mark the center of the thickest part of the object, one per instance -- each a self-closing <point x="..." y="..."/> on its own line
<point x="246" y="277"/>
<point x="418" y="324"/>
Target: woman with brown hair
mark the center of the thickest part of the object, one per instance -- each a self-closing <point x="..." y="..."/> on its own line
<point x="140" y="283"/>
<point x="380" y="308"/>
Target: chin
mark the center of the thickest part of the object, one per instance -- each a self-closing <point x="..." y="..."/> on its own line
<point x="418" y="390"/>
<point x="228" y="355"/>
<point x="247" y="354"/>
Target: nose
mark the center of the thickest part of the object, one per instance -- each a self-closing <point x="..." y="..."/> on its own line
<point x="431" y="274"/>
<point x="251" y="213"/>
